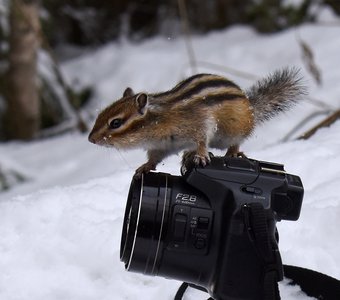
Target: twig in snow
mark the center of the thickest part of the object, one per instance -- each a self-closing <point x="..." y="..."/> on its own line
<point x="186" y="30"/>
<point x="325" y="123"/>
<point x="309" y="61"/>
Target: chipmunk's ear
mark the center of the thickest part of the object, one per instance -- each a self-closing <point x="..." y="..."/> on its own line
<point x="128" y="92"/>
<point x="141" y="101"/>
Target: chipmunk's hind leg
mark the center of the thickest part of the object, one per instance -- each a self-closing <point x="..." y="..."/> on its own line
<point x="234" y="151"/>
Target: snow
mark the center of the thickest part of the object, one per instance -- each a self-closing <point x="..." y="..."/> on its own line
<point x="60" y="231"/>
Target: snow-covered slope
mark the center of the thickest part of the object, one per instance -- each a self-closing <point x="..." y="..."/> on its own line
<point x="63" y="242"/>
<point x="60" y="231"/>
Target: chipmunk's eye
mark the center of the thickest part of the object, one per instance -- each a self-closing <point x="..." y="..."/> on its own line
<point x="115" y="123"/>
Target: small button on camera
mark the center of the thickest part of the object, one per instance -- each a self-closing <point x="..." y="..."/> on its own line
<point x="180" y="227"/>
<point x="200" y="243"/>
<point x="203" y="223"/>
<point x="251" y="190"/>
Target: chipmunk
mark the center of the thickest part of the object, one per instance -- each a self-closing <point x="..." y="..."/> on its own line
<point x="202" y="111"/>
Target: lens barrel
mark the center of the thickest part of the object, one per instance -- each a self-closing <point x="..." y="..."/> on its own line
<point x="145" y="223"/>
<point x="166" y="229"/>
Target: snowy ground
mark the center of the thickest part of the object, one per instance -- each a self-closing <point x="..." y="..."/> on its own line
<point x="60" y="231"/>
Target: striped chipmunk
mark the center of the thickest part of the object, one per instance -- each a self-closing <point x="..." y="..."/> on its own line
<point x="202" y="111"/>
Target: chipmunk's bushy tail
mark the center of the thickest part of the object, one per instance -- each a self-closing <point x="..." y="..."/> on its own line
<point x="276" y="93"/>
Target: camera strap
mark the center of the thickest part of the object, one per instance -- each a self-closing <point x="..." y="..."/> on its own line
<point x="256" y="223"/>
<point x="313" y="283"/>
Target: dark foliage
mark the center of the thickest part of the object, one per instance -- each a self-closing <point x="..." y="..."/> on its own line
<point x="90" y="22"/>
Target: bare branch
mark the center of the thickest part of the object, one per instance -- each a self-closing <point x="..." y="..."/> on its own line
<point x="309" y="61"/>
<point x="186" y="30"/>
<point x="325" y="123"/>
<point x="320" y="103"/>
<point x="304" y="121"/>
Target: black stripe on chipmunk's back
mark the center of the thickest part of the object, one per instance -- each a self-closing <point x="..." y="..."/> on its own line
<point x="195" y="85"/>
<point x="216" y="99"/>
<point x="181" y="85"/>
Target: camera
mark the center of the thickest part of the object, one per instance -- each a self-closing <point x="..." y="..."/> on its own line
<point x="213" y="227"/>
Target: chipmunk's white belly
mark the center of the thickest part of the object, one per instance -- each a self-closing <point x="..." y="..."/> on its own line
<point x="223" y="142"/>
<point x="172" y="144"/>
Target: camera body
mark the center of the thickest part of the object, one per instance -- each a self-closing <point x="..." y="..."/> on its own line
<point x="214" y="227"/>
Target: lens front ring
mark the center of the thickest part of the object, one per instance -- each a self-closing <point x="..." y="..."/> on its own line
<point x="145" y="223"/>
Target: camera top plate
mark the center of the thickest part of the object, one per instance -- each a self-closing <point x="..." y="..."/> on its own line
<point x="253" y="180"/>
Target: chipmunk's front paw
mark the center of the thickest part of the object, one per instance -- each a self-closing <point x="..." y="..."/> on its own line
<point x="190" y="157"/>
<point x="202" y="160"/>
<point x="144" y="169"/>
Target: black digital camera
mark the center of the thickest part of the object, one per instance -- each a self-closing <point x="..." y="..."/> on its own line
<point x="214" y="227"/>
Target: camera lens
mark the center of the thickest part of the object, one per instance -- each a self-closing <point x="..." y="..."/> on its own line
<point x="166" y="229"/>
<point x="145" y="223"/>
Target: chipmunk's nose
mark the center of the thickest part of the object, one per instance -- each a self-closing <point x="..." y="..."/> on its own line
<point x="91" y="138"/>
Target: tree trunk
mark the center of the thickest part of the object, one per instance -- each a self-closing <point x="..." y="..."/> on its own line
<point x="22" y="116"/>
